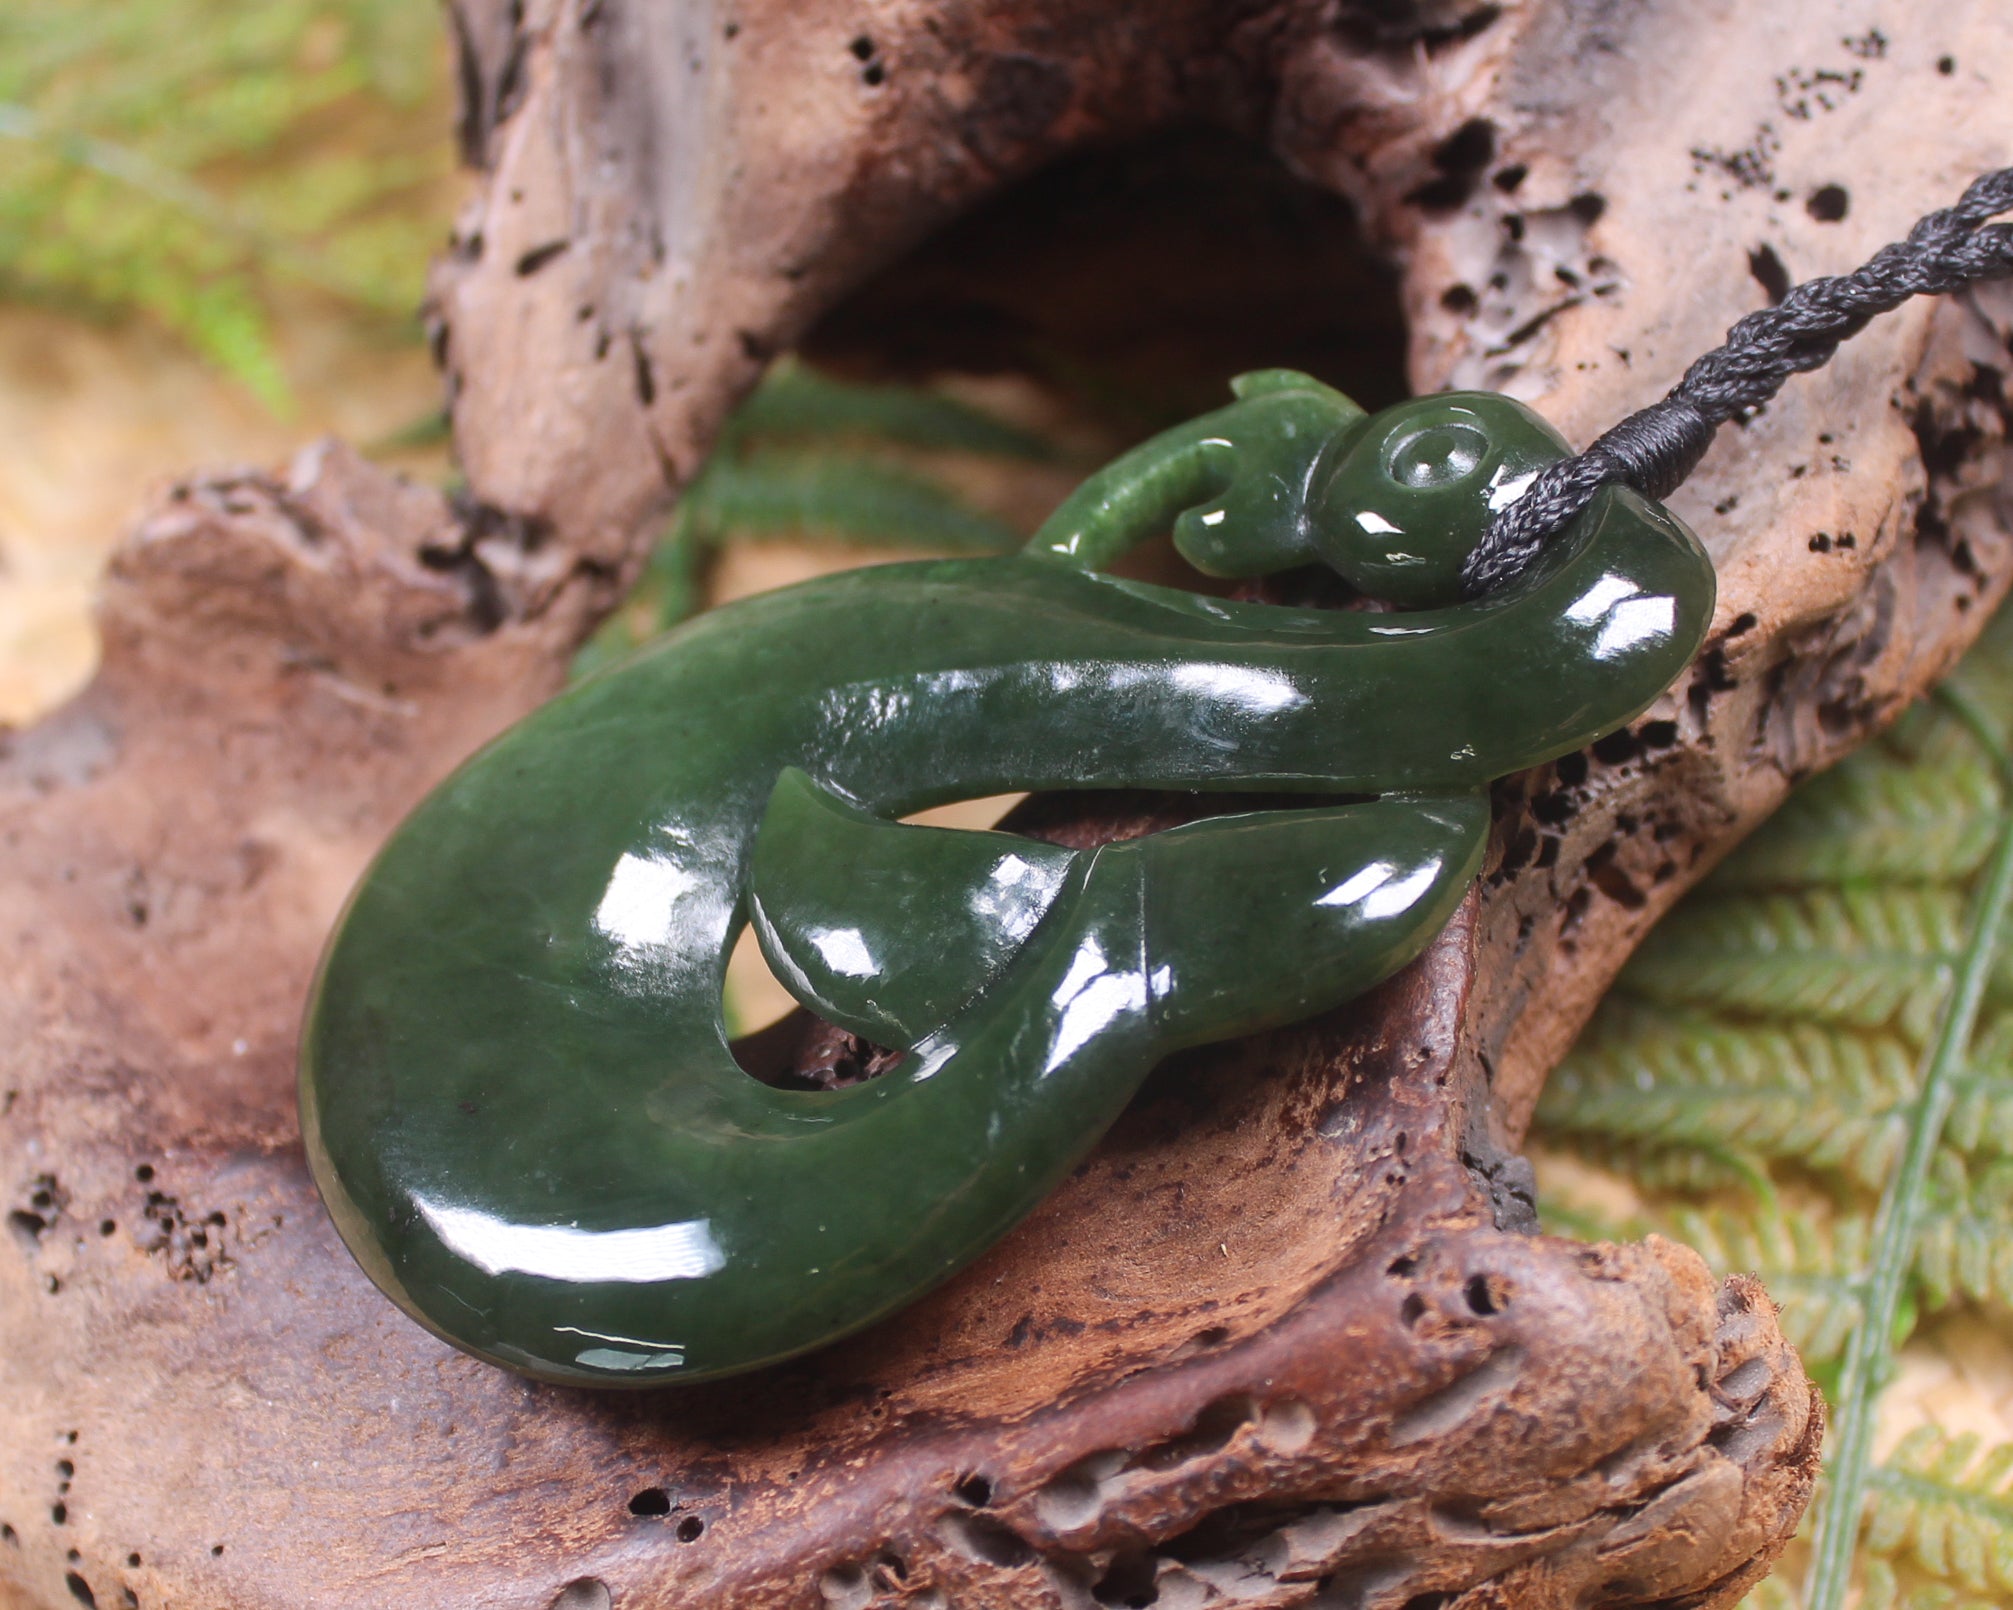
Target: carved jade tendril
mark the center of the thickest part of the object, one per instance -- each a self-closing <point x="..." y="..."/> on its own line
<point x="516" y="1087"/>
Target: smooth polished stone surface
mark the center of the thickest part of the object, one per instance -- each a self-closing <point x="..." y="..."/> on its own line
<point x="516" y="1088"/>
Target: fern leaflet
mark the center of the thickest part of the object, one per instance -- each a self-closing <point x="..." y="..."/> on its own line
<point x="811" y="457"/>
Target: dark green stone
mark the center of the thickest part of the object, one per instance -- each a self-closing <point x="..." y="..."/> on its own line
<point x="516" y="1088"/>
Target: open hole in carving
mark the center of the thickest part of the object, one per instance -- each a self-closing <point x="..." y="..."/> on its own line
<point x="690" y="1529"/>
<point x="651" y="1501"/>
<point x="753" y="999"/>
<point x="1287" y="1425"/>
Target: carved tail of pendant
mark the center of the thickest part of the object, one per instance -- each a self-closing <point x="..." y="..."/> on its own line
<point x="1172" y="940"/>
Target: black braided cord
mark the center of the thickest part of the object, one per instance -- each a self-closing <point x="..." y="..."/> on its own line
<point x="1655" y="449"/>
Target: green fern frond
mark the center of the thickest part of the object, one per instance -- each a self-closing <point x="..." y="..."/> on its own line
<point x="1804" y="1092"/>
<point x="1898" y="823"/>
<point x="1965" y="1248"/>
<point x="1864" y="957"/>
<point x="1695" y="1169"/>
<point x="1881" y="1589"/>
<point x="1981" y="1112"/>
<point x="1945" y="1503"/>
<point x="1983" y="680"/>
<point x="772" y="492"/>
<point x="795" y="403"/>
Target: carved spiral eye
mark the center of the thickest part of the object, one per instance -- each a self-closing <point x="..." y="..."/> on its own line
<point x="1437" y="456"/>
<point x="1398" y="511"/>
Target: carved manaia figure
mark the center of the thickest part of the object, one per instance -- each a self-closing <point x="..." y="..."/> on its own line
<point x="516" y="1086"/>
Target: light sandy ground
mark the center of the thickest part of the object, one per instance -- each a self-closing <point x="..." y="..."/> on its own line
<point x="91" y="416"/>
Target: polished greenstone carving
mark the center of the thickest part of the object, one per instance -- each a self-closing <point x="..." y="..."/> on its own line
<point x="516" y="1087"/>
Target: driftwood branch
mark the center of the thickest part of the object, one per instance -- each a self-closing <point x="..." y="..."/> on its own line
<point x="1288" y="1338"/>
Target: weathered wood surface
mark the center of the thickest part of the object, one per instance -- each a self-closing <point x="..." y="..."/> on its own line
<point x="1287" y="1339"/>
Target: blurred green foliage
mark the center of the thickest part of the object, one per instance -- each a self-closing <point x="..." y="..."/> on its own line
<point x="188" y="160"/>
<point x="814" y="457"/>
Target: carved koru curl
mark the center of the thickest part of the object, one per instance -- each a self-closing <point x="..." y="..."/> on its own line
<point x="516" y="1087"/>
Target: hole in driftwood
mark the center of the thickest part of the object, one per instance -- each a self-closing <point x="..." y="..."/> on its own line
<point x="27" y="1228"/>
<point x="583" y="1593"/>
<point x="974" y="1490"/>
<point x="1217" y="1423"/>
<point x="1460" y="159"/>
<point x="845" y="1587"/>
<point x="1769" y="272"/>
<point x="1073" y="1496"/>
<point x="977" y="1537"/>
<point x="1128" y="1581"/>
<point x="651" y="1501"/>
<point x="1135" y="278"/>
<point x="1458" y="1403"/>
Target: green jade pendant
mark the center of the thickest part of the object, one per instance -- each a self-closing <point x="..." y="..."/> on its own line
<point x="516" y="1088"/>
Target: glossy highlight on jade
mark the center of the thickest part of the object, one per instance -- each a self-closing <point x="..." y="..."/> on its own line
<point x="516" y="1088"/>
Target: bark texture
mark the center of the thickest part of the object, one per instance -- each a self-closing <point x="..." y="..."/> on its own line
<point x="1288" y="1338"/>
